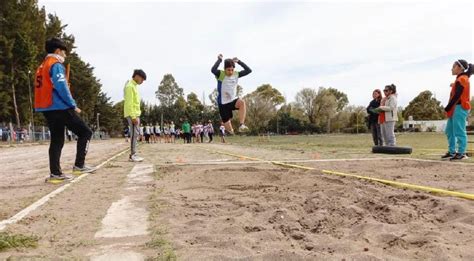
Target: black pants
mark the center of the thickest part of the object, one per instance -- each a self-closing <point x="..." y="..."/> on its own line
<point x="376" y="134"/>
<point x="188" y="137"/>
<point x="210" y="137"/>
<point x="57" y="121"/>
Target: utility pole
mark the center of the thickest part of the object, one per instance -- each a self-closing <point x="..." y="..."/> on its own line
<point x="357" y="122"/>
<point x="98" y="126"/>
<point x="161" y="126"/>
<point x="31" y="108"/>
<point x="278" y="127"/>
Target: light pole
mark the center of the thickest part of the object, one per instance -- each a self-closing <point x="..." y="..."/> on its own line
<point x="98" y="126"/>
<point x="31" y="107"/>
<point x="357" y="122"/>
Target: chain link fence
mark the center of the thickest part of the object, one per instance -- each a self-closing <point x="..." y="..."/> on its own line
<point x="38" y="134"/>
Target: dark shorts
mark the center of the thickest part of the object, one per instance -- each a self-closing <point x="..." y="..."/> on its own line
<point x="225" y="110"/>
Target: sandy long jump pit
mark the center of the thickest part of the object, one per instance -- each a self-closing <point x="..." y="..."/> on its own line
<point x="214" y="202"/>
<point x="267" y="212"/>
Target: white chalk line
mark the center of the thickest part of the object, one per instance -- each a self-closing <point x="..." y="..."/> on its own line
<point x="23" y="213"/>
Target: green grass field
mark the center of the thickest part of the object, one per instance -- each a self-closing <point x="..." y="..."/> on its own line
<point x="425" y="145"/>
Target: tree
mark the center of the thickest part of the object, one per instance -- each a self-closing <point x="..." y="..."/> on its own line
<point x="262" y="107"/>
<point x="24" y="28"/>
<point x="168" y="91"/>
<point x="110" y="118"/>
<point x="424" y="107"/>
<point x="266" y="91"/>
<point x="341" y="98"/>
<point x="325" y="108"/>
<point x="194" y="108"/>
<point x="260" y="110"/>
<point x="357" y="119"/>
<point x="180" y="108"/>
<point x="284" y="123"/>
<point x="306" y="100"/>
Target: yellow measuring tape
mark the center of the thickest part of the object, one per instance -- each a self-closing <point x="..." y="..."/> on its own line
<point x="383" y="181"/>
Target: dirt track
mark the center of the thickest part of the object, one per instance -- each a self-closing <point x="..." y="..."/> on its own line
<point x="24" y="169"/>
<point x="258" y="211"/>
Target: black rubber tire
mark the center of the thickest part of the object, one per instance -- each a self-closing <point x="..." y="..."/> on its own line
<point x="391" y="150"/>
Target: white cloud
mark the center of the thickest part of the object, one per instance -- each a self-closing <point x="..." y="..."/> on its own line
<point x="354" y="47"/>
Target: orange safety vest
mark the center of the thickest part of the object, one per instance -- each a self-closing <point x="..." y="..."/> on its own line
<point x="44" y="84"/>
<point x="464" y="100"/>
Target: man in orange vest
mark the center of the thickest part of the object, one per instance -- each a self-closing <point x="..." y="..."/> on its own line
<point x="53" y="98"/>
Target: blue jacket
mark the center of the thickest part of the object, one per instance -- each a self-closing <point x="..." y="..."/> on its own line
<point x="62" y="98"/>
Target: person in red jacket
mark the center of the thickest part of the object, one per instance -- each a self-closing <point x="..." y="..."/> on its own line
<point x="457" y="111"/>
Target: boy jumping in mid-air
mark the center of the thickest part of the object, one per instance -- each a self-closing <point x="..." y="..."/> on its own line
<point x="227" y="99"/>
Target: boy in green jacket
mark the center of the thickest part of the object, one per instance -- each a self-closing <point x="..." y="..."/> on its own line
<point x="131" y="110"/>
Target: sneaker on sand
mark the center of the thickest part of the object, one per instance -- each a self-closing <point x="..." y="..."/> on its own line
<point x="459" y="156"/>
<point x="243" y="128"/>
<point x="61" y="176"/>
<point x="135" y="158"/>
<point x="447" y="156"/>
<point x="83" y="170"/>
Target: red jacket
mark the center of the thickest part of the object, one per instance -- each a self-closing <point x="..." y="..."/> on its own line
<point x="465" y="98"/>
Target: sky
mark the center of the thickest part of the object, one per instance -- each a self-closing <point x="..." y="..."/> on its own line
<point x="353" y="46"/>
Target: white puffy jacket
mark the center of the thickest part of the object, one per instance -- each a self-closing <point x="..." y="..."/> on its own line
<point x="390" y="108"/>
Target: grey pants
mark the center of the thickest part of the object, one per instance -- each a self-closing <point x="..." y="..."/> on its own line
<point x="134" y="131"/>
<point x="388" y="133"/>
<point x="376" y="134"/>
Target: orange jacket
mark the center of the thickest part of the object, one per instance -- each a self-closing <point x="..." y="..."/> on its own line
<point x="382" y="114"/>
<point x="465" y="98"/>
<point x="44" y="84"/>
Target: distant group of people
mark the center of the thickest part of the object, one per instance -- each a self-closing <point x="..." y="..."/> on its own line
<point x="201" y="131"/>
<point x="196" y="133"/>
<point x="154" y="133"/>
<point x="383" y="113"/>
<point x="20" y="135"/>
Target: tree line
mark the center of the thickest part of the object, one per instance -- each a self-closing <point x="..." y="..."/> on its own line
<point x="24" y="28"/>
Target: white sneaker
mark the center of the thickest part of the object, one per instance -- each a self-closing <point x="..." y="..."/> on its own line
<point x="243" y="128"/>
<point x="86" y="169"/>
<point x="135" y="158"/>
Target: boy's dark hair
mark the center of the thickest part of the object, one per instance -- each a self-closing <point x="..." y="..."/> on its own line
<point x="228" y="63"/>
<point x="392" y="88"/>
<point x="468" y="67"/>
<point x="55" y="43"/>
<point x="140" y="73"/>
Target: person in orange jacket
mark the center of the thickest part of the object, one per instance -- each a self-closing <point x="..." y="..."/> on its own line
<point x="457" y="111"/>
<point x="53" y="98"/>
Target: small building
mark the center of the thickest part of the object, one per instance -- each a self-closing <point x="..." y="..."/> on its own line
<point x="430" y="126"/>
